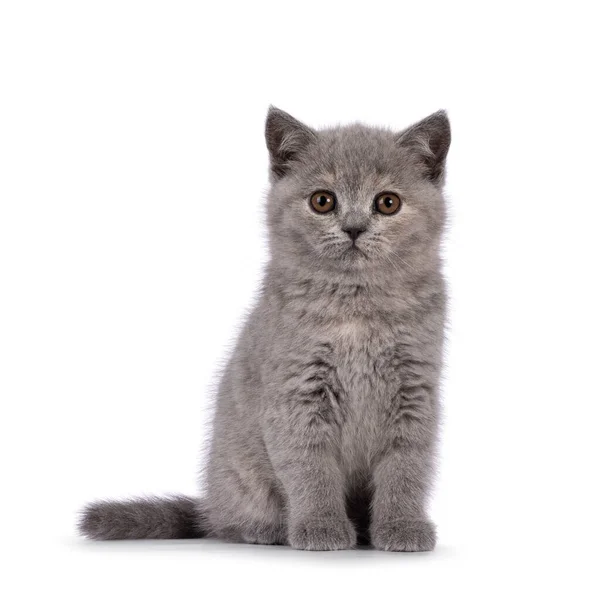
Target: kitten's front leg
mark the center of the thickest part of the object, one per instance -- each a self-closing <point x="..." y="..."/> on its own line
<point x="400" y="523"/>
<point x="317" y="512"/>
<point x="302" y="436"/>
<point x="403" y="475"/>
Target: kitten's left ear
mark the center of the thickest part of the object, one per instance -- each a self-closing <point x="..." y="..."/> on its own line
<point x="430" y="139"/>
<point x="285" y="137"/>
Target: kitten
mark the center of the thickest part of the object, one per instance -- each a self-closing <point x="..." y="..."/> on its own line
<point x="326" y="418"/>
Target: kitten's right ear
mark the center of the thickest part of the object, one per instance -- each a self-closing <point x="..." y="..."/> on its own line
<point x="285" y="137"/>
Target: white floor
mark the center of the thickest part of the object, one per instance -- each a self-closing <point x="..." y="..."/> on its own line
<point x="73" y="568"/>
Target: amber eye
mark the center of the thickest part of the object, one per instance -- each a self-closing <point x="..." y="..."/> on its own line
<point x="322" y="202"/>
<point x="387" y="203"/>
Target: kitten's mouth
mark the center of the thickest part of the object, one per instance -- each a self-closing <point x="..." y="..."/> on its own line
<point x="354" y="251"/>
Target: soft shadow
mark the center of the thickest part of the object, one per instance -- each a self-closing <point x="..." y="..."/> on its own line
<point x="253" y="551"/>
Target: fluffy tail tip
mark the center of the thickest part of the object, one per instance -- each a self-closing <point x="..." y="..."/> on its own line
<point x="176" y="517"/>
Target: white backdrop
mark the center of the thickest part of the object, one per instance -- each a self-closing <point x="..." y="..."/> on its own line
<point x="132" y="175"/>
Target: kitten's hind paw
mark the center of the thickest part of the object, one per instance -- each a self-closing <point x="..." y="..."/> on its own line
<point x="404" y="536"/>
<point x="323" y="534"/>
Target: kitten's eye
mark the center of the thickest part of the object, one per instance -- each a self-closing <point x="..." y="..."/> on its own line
<point x="322" y="202"/>
<point x="387" y="203"/>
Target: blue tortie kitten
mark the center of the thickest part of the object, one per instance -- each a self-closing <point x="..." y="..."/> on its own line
<point x="327" y="412"/>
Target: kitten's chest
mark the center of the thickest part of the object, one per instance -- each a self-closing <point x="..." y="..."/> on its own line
<point x="366" y="370"/>
<point x="362" y="350"/>
<point x="368" y="380"/>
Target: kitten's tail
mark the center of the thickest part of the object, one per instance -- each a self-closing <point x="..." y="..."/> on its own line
<point x="174" y="517"/>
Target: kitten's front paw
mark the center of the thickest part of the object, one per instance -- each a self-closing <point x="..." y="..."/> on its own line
<point x="323" y="534"/>
<point x="404" y="536"/>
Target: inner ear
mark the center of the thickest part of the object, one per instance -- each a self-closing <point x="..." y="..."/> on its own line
<point x="429" y="139"/>
<point x="285" y="137"/>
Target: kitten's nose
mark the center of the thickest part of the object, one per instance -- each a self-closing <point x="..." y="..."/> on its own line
<point x="354" y="232"/>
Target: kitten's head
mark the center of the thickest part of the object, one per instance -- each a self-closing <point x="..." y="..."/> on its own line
<point x="356" y="198"/>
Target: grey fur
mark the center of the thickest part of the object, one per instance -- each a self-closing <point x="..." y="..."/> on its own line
<point x="145" y="518"/>
<point x="326" y="418"/>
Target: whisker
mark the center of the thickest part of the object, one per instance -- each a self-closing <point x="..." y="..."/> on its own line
<point x="406" y="264"/>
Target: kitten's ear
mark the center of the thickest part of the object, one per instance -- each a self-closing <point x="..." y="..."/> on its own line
<point x="285" y="137"/>
<point x="430" y="140"/>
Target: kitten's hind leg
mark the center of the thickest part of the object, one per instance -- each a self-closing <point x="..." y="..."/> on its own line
<point x="269" y="534"/>
<point x="245" y="508"/>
